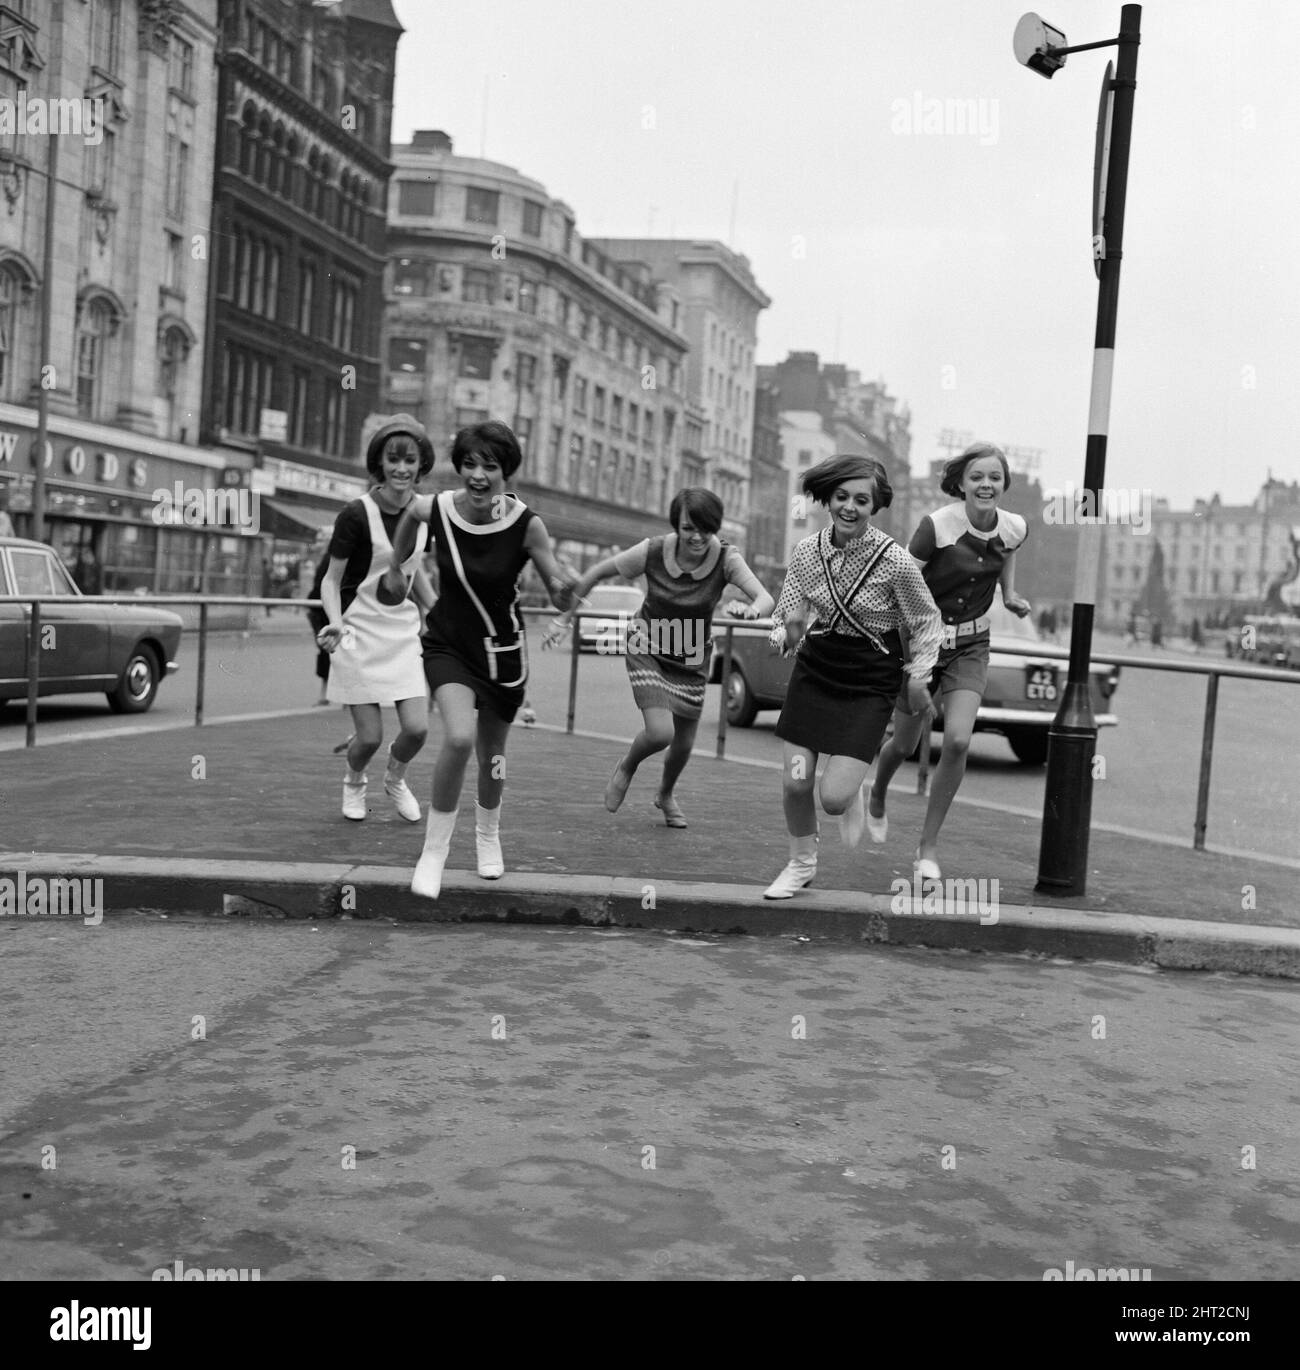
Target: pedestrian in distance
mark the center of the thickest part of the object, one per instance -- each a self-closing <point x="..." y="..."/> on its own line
<point x="1157" y="633"/>
<point x="373" y="636"/>
<point x="475" y="649"/>
<point x="966" y="552"/>
<point x="669" y="645"/>
<point x="1196" y="636"/>
<point x="849" y="591"/>
<point x="1131" y="629"/>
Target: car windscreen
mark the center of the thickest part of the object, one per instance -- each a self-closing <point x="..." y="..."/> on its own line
<point x="613" y="598"/>
<point x="37" y="573"/>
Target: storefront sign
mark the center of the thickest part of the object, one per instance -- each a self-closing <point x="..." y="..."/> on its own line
<point x="289" y="475"/>
<point x="77" y="461"/>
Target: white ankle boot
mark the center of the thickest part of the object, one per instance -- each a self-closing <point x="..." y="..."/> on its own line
<point x="427" y="879"/>
<point x="487" y="837"/>
<point x="799" y="872"/>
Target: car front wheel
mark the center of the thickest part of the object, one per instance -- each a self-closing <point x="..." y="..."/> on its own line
<point x="741" y="706"/>
<point x="1029" y="745"/>
<point x="137" y="687"/>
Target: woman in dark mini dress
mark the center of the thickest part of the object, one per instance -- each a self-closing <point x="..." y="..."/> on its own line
<point x="475" y="652"/>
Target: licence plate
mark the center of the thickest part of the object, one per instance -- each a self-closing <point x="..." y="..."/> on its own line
<point x="1041" y="683"/>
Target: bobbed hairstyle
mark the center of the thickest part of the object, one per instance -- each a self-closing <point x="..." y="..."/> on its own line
<point x="822" y="480"/>
<point x="954" y="469"/>
<point x="490" y="439"/>
<point x="399" y="426"/>
<point x="702" y="506"/>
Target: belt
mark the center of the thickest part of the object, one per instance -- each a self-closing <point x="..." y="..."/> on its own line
<point x="952" y="631"/>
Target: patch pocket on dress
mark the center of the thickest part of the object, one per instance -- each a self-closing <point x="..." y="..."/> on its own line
<point x="506" y="664"/>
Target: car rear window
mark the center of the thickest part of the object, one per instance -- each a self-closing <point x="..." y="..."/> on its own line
<point x="34" y="573"/>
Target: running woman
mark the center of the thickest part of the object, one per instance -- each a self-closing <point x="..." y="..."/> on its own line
<point x="965" y="551"/>
<point x="861" y="587"/>
<point x="374" y="645"/>
<point x="475" y="652"/>
<point x="670" y="638"/>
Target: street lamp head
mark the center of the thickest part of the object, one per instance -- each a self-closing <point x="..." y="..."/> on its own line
<point x="1035" y="42"/>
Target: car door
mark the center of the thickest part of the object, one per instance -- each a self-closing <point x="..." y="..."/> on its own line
<point x="13" y="640"/>
<point x="74" y="637"/>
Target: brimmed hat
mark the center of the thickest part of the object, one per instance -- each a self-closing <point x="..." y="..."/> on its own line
<point x="406" y="426"/>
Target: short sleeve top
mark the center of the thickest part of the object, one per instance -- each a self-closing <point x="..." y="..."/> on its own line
<point x="962" y="564"/>
<point x="351" y="543"/>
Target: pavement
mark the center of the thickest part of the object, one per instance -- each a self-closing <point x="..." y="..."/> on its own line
<point x="243" y="819"/>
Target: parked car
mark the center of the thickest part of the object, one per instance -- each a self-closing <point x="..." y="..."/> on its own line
<point x="1267" y="640"/>
<point x="119" y="649"/>
<point x="1020" y="700"/>
<point x="608" y="633"/>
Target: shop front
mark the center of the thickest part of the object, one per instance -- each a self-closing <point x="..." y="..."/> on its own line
<point x="133" y="514"/>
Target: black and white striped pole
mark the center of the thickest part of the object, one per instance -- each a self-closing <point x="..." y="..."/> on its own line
<point x="1072" y="738"/>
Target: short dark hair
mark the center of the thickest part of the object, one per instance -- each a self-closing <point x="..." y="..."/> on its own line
<point x="703" y="507"/>
<point x="490" y="439"/>
<point x="399" y="426"/>
<point x="955" y="467"/>
<point x="823" y="479"/>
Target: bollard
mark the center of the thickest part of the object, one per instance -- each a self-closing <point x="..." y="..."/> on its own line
<point x="1207" y="755"/>
<point x="575" y="633"/>
<point x="33" y="670"/>
<point x="724" y="679"/>
<point x="203" y="660"/>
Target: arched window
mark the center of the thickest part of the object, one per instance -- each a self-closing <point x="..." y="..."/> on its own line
<point x="264" y="150"/>
<point x="323" y="193"/>
<point x="292" y="171"/>
<point x="95" y="329"/>
<point x="11" y="301"/>
<point x="173" y="352"/>
<point x="276" y="181"/>
<point x="248" y="142"/>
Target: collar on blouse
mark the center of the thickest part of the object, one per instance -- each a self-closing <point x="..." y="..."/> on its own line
<point x="710" y="557"/>
<point x="828" y="547"/>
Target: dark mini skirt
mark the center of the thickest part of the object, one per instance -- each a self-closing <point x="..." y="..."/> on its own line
<point x="443" y="666"/>
<point x="841" y="695"/>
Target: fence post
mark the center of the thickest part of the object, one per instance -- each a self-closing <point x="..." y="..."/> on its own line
<point x="923" y="758"/>
<point x="33" y="670"/>
<point x="575" y="642"/>
<point x="202" y="668"/>
<point x="1207" y="755"/>
<point x="724" y="679"/>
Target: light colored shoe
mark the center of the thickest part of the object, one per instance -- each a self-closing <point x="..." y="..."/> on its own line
<point x="400" y="793"/>
<point x="616" y="790"/>
<point x="851" y="821"/>
<point x="671" y="810"/>
<point x="354" y="799"/>
<point x="797" y="875"/>
<point x="487" y="837"/>
<point x="426" y="880"/>
<point x="924" y="869"/>
<point x="877" y="827"/>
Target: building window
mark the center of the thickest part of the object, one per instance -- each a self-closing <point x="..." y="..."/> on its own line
<point x="107" y="34"/>
<point x="180" y="67"/>
<point x="173" y="349"/>
<point x="174" y="263"/>
<point x="466" y="417"/>
<point x="411" y="276"/>
<point x="299" y="393"/>
<point x="564" y="311"/>
<point x="476" y="358"/>
<point x="559" y="378"/>
<point x="648" y="427"/>
<point x="598" y="404"/>
<point x="100" y="158"/>
<point x="553" y="454"/>
<point x="579" y="395"/>
<point x="344" y="312"/>
<point x="248" y="378"/>
<point x="306" y="297"/>
<point x="477" y="286"/>
<point x="417" y="198"/>
<point x="575" y="463"/>
<point x="10" y="305"/>
<point x="406" y="357"/>
<point x="525" y="371"/>
<point x="336" y="421"/>
<point x="270" y="302"/>
<point x="616" y="413"/>
<point x="527" y="296"/>
<point x="523" y="427"/>
<point x="481" y="205"/>
<point x="591" y="475"/>
<point x="532" y="219"/>
<point x="96" y="328"/>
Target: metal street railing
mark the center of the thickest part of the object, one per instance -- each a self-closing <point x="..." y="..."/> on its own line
<point x="1213" y="671"/>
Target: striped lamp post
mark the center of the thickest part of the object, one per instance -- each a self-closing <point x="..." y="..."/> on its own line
<point x="1072" y="738"/>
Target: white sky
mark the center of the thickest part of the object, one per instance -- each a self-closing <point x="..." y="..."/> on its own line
<point x="927" y="251"/>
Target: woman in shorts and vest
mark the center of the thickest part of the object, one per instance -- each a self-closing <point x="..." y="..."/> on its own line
<point x="475" y="651"/>
<point x="848" y="592"/>
<point x="670" y="639"/>
<point x="374" y="645"/>
<point x="965" y="551"/>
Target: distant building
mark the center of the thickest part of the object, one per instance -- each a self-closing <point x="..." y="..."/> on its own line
<point x="769" y="492"/>
<point x="721" y="302"/>
<point x="805" y="441"/>
<point x="498" y="308"/>
<point x="127" y="92"/>
<point x="1220" y="560"/>
<point x="299" y="197"/>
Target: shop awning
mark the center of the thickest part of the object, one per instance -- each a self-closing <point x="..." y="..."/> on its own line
<point x="284" y="520"/>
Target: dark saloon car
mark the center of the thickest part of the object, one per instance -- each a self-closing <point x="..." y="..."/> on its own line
<point x="117" y="649"/>
<point x="1020" y="700"/>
